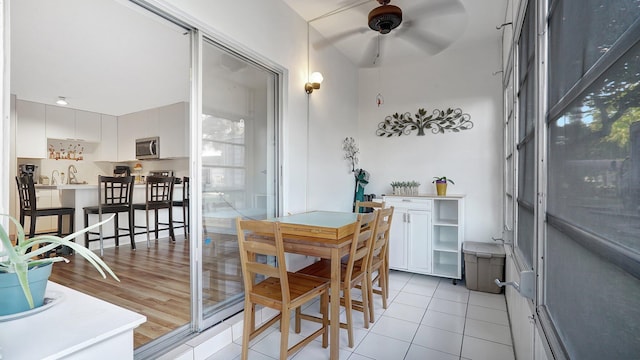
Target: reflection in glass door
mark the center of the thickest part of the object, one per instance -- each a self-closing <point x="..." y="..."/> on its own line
<point x="238" y="167"/>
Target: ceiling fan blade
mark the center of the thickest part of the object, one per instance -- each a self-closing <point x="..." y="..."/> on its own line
<point x="320" y="44"/>
<point x="428" y="42"/>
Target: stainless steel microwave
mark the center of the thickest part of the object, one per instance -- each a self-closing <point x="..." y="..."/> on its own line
<point x="148" y="148"/>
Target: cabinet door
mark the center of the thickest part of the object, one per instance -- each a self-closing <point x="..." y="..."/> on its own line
<point x="173" y="130"/>
<point x="31" y="137"/>
<point x="88" y="126"/>
<point x="419" y="241"/>
<point x="398" y="240"/>
<point x="61" y="122"/>
<point x="108" y="149"/>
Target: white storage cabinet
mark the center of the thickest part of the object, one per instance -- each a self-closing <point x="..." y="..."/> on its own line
<point x="426" y="235"/>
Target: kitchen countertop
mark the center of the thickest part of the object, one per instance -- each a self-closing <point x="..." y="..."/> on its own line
<point x="82" y="186"/>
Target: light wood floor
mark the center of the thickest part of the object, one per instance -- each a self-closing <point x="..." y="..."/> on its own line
<point x="155" y="281"/>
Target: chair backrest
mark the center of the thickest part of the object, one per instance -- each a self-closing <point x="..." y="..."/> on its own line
<point x="381" y="233"/>
<point x="115" y="191"/>
<point x="185" y="190"/>
<point x="256" y="238"/>
<point x="159" y="190"/>
<point x="26" y="192"/>
<point x="365" y="206"/>
<point x="361" y="245"/>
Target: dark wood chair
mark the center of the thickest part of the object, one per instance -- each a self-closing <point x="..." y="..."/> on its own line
<point x="29" y="207"/>
<point x="271" y="285"/>
<point x="184" y="204"/>
<point x="115" y="196"/>
<point x="158" y="196"/>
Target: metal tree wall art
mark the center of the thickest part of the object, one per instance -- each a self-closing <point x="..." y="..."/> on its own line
<point x="439" y="122"/>
<point x="351" y="152"/>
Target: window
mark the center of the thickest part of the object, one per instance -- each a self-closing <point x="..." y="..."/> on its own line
<point x="526" y="140"/>
<point x="590" y="278"/>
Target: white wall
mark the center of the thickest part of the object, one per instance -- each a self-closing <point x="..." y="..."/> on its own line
<point x="459" y="77"/>
<point x="271" y="31"/>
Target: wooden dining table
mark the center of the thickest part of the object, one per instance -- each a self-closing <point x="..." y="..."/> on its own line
<point x="327" y="235"/>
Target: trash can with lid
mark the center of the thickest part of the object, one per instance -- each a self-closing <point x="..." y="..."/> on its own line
<point x="483" y="262"/>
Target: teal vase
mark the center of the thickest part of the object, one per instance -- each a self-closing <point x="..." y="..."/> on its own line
<point x="12" y="298"/>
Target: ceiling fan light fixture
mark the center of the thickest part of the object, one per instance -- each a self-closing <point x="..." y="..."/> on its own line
<point x="385" y="18"/>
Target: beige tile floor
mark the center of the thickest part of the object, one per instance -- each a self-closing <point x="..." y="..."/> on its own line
<point x="427" y="318"/>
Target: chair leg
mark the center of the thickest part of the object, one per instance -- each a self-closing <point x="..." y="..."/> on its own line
<point x="86" y="225"/>
<point x="370" y="291"/>
<point x="348" y="312"/>
<point x="117" y="229"/>
<point x="285" y="319"/>
<point x="324" y="309"/>
<point x="247" y="328"/>
<point x="365" y="302"/>
<point x="298" y="320"/>
<point x="32" y="225"/>
<point x="132" y="232"/>
<point x="172" y="235"/>
<point x="59" y="229"/>
<point x="148" y="239"/>
<point x="72" y="222"/>
<point x="383" y="285"/>
<point x="185" y="219"/>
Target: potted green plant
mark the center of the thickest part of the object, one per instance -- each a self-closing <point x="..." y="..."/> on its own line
<point x="441" y="184"/>
<point x="24" y="275"/>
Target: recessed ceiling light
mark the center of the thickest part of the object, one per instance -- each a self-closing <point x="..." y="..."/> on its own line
<point x="62" y="101"/>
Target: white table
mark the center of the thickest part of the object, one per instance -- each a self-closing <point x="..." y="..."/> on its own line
<point x="79" y="326"/>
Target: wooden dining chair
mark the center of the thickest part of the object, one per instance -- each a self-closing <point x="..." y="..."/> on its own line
<point x="353" y="273"/>
<point x="368" y="206"/>
<point x="378" y="268"/>
<point x="273" y="286"/>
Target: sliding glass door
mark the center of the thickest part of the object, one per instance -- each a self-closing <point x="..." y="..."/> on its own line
<point x="238" y="167"/>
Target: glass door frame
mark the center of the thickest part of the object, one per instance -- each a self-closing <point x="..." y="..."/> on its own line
<point x="198" y="40"/>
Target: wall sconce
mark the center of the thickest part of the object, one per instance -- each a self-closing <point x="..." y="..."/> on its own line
<point x="314" y="82"/>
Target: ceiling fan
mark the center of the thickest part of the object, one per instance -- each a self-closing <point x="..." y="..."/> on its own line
<point x="388" y="21"/>
<point x="385" y="17"/>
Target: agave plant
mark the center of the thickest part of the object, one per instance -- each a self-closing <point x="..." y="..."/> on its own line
<point x="18" y="259"/>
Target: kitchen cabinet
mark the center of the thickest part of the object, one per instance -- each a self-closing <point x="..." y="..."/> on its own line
<point x="70" y="124"/>
<point x="173" y="126"/>
<point x="88" y="126"/>
<point x="426" y="234"/>
<point x="31" y="138"/>
<point x="108" y="149"/>
<point x="170" y="123"/>
<point x="131" y="127"/>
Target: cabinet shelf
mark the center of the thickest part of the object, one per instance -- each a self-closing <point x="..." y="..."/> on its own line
<point x="428" y="240"/>
<point x="446" y="270"/>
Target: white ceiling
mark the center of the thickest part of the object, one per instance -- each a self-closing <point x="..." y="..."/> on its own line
<point x="102" y="55"/>
<point x="112" y="57"/>
<point x="429" y="27"/>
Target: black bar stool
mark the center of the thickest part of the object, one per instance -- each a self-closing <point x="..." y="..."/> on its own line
<point x="159" y="195"/>
<point x="115" y="196"/>
<point x="184" y="204"/>
<point x="29" y="207"/>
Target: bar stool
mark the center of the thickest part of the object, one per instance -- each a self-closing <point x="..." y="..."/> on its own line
<point x="184" y="204"/>
<point x="115" y="196"/>
<point x="158" y="195"/>
<point x="28" y="207"/>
